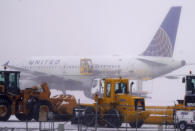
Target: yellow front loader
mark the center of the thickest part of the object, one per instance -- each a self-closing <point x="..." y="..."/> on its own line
<point x="115" y="107"/>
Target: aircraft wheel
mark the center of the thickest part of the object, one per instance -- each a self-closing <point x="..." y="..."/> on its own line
<point x="113" y="118"/>
<point x="5" y="110"/>
<point x="41" y="106"/>
<point x="89" y="116"/>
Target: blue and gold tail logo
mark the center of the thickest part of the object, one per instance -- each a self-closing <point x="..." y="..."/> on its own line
<point x="163" y="42"/>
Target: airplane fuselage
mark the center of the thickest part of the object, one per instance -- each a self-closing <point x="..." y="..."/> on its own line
<point x="140" y="67"/>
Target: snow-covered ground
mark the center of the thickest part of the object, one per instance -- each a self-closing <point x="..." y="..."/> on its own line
<point x="160" y="94"/>
<point x="35" y="126"/>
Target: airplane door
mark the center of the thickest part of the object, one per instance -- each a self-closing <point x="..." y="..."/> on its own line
<point x="86" y="66"/>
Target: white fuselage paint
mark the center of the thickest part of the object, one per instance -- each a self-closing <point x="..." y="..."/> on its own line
<point x="65" y="72"/>
<point x="114" y="66"/>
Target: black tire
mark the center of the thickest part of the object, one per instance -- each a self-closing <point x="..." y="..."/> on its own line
<point x="175" y="126"/>
<point x="182" y="125"/>
<point x="89" y="116"/>
<point x="113" y="118"/>
<point x="101" y="123"/>
<point x="139" y="124"/>
<point x="37" y="107"/>
<point x="193" y="128"/>
<point x="22" y="116"/>
<point x="7" y="107"/>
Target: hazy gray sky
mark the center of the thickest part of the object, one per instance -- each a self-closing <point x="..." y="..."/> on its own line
<point x="92" y="27"/>
<point x="88" y="27"/>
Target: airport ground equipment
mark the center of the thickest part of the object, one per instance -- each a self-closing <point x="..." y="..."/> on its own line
<point x="98" y="83"/>
<point x="26" y="104"/>
<point x="172" y="114"/>
<point x="185" y="119"/>
<point x="115" y="107"/>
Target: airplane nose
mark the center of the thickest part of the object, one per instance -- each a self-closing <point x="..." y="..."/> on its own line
<point x="183" y="63"/>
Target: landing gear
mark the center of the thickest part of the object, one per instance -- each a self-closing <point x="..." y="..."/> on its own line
<point x="87" y="93"/>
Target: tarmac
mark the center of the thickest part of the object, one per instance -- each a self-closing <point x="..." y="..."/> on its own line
<point x="15" y="125"/>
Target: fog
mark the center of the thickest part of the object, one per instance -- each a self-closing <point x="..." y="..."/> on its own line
<point x="98" y="27"/>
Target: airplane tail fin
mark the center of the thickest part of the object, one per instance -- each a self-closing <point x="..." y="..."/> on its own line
<point x="163" y="41"/>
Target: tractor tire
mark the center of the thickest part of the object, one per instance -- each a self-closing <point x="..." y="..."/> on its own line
<point x="182" y="125"/>
<point x="113" y="118"/>
<point x="43" y="106"/>
<point x="139" y="124"/>
<point x="101" y="122"/>
<point x="23" y="116"/>
<point x="89" y="116"/>
<point x="5" y="110"/>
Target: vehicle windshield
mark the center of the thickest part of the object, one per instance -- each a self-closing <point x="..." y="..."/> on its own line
<point x="191" y="83"/>
<point x="121" y="88"/>
<point x="108" y="90"/>
<point x="2" y="78"/>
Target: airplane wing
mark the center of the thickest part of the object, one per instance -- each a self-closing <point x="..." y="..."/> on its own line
<point x="177" y="76"/>
<point x="30" y="74"/>
<point x="173" y="76"/>
<point x="151" y="63"/>
<point x="190" y="64"/>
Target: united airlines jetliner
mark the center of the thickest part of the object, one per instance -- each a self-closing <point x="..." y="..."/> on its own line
<point x="77" y="73"/>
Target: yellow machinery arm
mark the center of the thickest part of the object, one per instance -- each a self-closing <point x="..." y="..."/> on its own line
<point x="163" y="114"/>
<point x="160" y="115"/>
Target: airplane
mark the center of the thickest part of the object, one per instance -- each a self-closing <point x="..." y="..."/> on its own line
<point x="77" y="73"/>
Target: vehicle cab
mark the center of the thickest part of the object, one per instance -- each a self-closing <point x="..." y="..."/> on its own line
<point x="9" y="82"/>
<point x="189" y="99"/>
